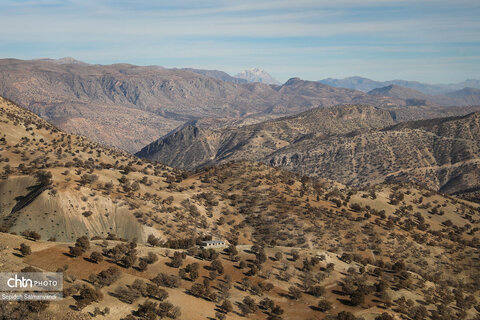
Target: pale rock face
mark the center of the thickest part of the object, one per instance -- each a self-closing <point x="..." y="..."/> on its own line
<point x="257" y="75"/>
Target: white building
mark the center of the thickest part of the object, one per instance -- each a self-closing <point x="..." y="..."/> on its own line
<point x="213" y="244"/>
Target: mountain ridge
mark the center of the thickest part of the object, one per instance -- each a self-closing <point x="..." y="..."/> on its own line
<point x="366" y="84"/>
<point x="466" y="96"/>
<point x="349" y="144"/>
<point x="217" y="74"/>
<point x="130" y="106"/>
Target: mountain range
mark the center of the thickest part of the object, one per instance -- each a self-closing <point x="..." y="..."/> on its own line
<point x="130" y="106"/>
<point x="327" y="203"/>
<point x="194" y="119"/>
<point x="366" y="85"/>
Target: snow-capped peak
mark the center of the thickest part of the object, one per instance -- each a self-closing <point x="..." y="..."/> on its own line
<point x="257" y="75"/>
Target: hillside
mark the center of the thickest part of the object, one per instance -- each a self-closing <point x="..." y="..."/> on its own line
<point x="191" y="146"/>
<point x="130" y="106"/>
<point x="433" y="159"/>
<point x="302" y="247"/>
<point x="343" y="143"/>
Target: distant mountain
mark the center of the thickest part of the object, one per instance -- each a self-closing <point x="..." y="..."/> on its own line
<point x="355" y="83"/>
<point x="413" y="97"/>
<point x="65" y="60"/>
<point x="257" y="75"/>
<point x="130" y="106"/>
<point x="463" y="97"/>
<point x="469" y="83"/>
<point x="469" y="96"/>
<point x="219" y="75"/>
<point x="343" y="143"/>
<point x="365" y="85"/>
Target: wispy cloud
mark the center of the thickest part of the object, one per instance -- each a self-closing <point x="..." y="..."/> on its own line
<point x="342" y="37"/>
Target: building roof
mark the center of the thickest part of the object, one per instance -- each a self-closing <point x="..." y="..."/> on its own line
<point x="214" y="241"/>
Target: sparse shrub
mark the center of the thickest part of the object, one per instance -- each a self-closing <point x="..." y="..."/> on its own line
<point x="165" y="280"/>
<point x="226" y="306"/>
<point x="294" y="292"/>
<point x="25" y="250"/>
<point x="76" y="251"/>
<point x="87" y="214"/>
<point x="96" y="257"/>
<point x="88" y="295"/>
<point x="384" y="316"/>
<point x="324" y="305"/>
<point x="317" y="291"/>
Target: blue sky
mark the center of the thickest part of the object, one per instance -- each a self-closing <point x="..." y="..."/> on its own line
<point x="434" y="41"/>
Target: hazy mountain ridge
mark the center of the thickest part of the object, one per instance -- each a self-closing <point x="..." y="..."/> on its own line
<point x="469" y="95"/>
<point x="463" y="97"/>
<point x="365" y="85"/>
<point x="399" y="92"/>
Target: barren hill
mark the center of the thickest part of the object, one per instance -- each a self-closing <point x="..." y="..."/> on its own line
<point x="130" y="106"/>
<point x="423" y="153"/>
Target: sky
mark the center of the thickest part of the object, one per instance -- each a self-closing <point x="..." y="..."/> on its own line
<point x="434" y="41"/>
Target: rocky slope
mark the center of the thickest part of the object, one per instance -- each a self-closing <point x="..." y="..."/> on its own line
<point x="429" y="155"/>
<point x="130" y="106"/>
<point x="346" y="144"/>
<point x="191" y="146"/>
